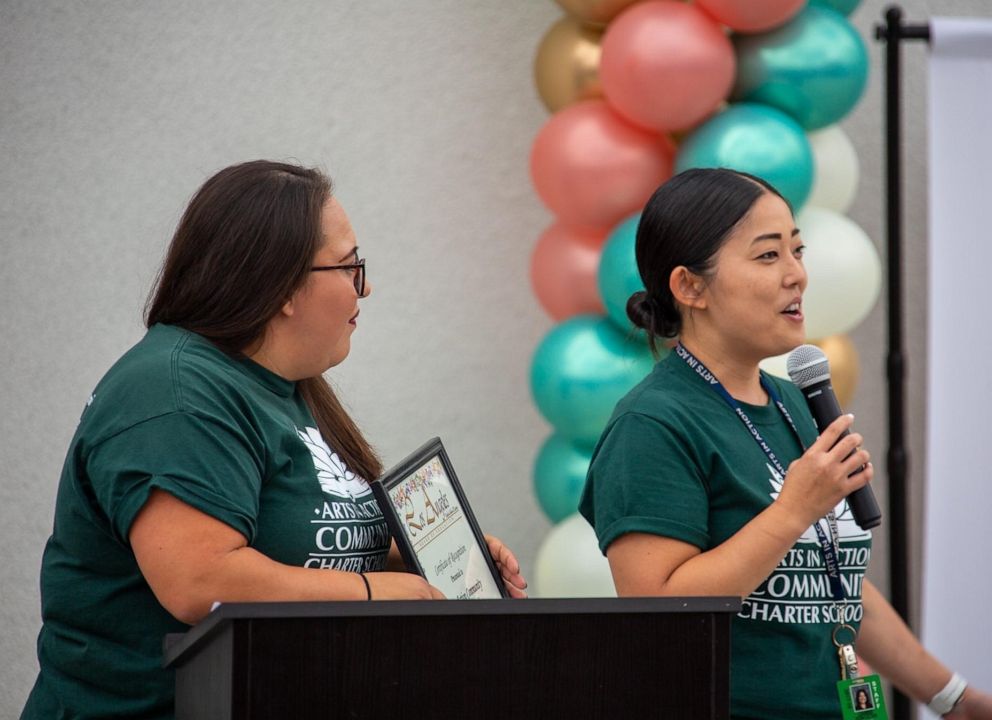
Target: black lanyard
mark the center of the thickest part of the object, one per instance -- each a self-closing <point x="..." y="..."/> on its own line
<point x="827" y="544"/>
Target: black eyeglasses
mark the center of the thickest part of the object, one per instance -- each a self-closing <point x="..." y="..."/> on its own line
<point x="357" y="267"/>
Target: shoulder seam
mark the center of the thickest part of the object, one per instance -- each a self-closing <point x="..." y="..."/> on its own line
<point x="177" y="388"/>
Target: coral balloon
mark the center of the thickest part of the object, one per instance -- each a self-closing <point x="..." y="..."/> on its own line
<point x="666" y="65"/>
<point x="592" y="168"/>
<point x="814" y="68"/>
<point x="618" y="276"/>
<point x="835" y="178"/>
<point x="844" y="7"/>
<point x="579" y="372"/>
<point x="559" y="476"/>
<point x="570" y="564"/>
<point x="595" y="12"/>
<point x="844" y="365"/>
<point x="755" y="139"/>
<point x="566" y="68"/>
<point x="750" y="16"/>
<point x="563" y="271"/>
<point x="845" y="273"/>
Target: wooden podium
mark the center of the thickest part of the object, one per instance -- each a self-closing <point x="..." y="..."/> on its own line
<point x="596" y="658"/>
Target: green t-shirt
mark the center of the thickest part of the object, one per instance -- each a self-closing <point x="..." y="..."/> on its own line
<point x="676" y="461"/>
<point x="224" y="435"/>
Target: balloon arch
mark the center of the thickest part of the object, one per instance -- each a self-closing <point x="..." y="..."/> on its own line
<point x="639" y="90"/>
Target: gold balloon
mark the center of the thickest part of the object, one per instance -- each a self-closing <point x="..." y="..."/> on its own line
<point x="595" y="12"/>
<point x="844" y="370"/>
<point x="566" y="68"/>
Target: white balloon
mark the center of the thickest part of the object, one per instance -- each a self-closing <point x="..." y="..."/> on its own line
<point x="569" y="563"/>
<point x="845" y="273"/>
<point x="835" y="178"/>
<point x="776" y="366"/>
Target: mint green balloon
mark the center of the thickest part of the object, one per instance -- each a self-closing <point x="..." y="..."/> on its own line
<point x="579" y="372"/>
<point x="755" y="139"/>
<point x="559" y="476"/>
<point x="618" y="276"/>
<point x="844" y="7"/>
<point x="815" y="67"/>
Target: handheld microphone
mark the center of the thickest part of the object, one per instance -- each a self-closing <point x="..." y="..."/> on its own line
<point x="810" y="372"/>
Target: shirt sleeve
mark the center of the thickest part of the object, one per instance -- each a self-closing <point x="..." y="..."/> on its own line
<point x="643" y="478"/>
<point x="209" y="465"/>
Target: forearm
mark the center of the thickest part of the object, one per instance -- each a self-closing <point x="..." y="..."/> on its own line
<point x="891" y="648"/>
<point x="644" y="564"/>
<point x="246" y="575"/>
<point x="742" y="562"/>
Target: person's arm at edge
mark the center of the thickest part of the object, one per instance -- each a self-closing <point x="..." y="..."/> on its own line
<point x="190" y="560"/>
<point x="888" y="645"/>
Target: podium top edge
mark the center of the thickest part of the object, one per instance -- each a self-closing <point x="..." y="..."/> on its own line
<point x="176" y="645"/>
<point x="538" y="606"/>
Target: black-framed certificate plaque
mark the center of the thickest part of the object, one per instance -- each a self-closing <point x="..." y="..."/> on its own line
<point x="434" y="528"/>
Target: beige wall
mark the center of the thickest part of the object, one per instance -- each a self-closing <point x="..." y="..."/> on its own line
<point x="111" y="114"/>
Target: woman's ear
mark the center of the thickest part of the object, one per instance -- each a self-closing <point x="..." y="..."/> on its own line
<point x="687" y="288"/>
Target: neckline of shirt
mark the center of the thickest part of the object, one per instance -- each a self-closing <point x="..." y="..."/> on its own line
<point x="263" y="376"/>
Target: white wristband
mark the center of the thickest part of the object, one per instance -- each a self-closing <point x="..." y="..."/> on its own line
<point x="944" y="701"/>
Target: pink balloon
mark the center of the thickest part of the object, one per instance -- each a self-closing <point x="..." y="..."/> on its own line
<point x="592" y="168"/>
<point x="750" y="16"/>
<point x="666" y="65"/>
<point x="563" y="271"/>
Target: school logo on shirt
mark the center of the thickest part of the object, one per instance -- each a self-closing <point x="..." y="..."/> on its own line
<point x="334" y="477"/>
<point x="349" y="532"/>
<point x="798" y="591"/>
<point x="846" y="527"/>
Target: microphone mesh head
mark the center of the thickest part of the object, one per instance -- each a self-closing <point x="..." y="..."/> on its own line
<point x="808" y="364"/>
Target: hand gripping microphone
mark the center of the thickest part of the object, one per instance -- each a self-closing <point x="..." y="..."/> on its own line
<point x="810" y="372"/>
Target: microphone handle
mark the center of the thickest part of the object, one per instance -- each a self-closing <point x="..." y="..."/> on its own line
<point x="825" y="409"/>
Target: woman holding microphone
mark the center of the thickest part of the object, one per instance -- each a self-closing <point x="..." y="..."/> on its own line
<point x="710" y="478"/>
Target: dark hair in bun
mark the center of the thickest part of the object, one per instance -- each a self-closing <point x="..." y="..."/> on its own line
<point x="686" y="222"/>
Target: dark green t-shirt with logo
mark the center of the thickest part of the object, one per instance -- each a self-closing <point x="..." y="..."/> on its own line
<point x="675" y="460"/>
<point x="222" y="434"/>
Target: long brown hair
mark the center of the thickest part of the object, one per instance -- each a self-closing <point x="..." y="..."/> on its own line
<point x="244" y="245"/>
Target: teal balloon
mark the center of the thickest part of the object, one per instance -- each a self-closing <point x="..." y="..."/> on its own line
<point x="844" y="7"/>
<point x="579" y="372"/>
<point x="559" y="476"/>
<point x="618" y="277"/>
<point x="755" y="139"/>
<point x="815" y="67"/>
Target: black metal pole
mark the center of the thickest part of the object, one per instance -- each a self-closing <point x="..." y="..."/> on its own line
<point x="893" y="33"/>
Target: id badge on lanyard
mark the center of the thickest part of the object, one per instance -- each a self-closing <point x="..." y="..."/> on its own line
<point x="861" y="698"/>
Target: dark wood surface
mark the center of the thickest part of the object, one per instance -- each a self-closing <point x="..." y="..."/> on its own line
<point x="590" y="658"/>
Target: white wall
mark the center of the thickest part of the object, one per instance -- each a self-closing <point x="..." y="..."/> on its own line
<point x="423" y="111"/>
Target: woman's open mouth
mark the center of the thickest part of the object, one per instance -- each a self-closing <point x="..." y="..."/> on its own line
<point x="794" y="311"/>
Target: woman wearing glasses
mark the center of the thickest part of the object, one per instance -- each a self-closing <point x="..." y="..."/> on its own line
<point x="213" y="462"/>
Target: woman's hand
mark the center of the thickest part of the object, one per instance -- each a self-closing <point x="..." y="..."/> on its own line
<point x="821" y="478"/>
<point x="974" y="705"/>
<point x="400" y="586"/>
<point x="508" y="567"/>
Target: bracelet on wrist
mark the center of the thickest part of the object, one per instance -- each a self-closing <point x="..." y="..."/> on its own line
<point x="948" y="698"/>
<point x="368" y="588"/>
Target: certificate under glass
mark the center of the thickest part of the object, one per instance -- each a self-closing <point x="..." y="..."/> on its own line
<point x="434" y="527"/>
